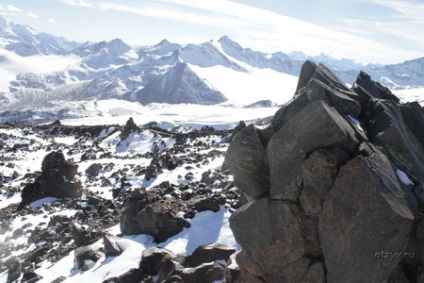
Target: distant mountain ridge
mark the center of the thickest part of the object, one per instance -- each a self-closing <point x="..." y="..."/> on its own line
<point x="164" y="73"/>
<point x="25" y="41"/>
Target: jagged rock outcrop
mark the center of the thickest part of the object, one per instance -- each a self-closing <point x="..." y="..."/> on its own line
<point x="57" y="180"/>
<point x="335" y="186"/>
<point x="130" y="127"/>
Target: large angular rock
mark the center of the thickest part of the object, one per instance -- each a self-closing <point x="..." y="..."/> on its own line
<point x="86" y="257"/>
<point x="316" y="126"/>
<point x="57" y="180"/>
<point x="156" y="220"/>
<point x="368" y="88"/>
<point x="130" y="127"/>
<point x="272" y="235"/>
<point x="402" y="143"/>
<point x="206" y="272"/>
<point x="317" y="82"/>
<point x="110" y="246"/>
<point x="209" y="252"/>
<point x="247" y="160"/>
<point x="366" y="213"/>
<point x="153" y="258"/>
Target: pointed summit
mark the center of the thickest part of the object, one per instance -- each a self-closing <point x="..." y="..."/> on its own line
<point x="165" y="46"/>
<point x="226" y="40"/>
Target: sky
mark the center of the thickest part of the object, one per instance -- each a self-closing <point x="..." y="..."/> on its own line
<point x="367" y="31"/>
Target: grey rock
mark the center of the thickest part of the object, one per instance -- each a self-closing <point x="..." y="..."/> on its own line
<point x="205" y="273"/>
<point x="158" y="221"/>
<point x="247" y="160"/>
<point x="316" y="126"/>
<point x="111" y="247"/>
<point x="208" y="253"/>
<point x="86" y="257"/>
<point x="317" y="175"/>
<point x="366" y="213"/>
<point x="153" y="258"/>
<point x="94" y="169"/>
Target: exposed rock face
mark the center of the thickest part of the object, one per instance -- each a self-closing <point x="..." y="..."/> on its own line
<point x="57" y="179"/>
<point x="334" y="186"/>
<point x="179" y="85"/>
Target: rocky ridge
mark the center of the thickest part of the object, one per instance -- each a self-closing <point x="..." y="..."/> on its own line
<point x="334" y="186"/>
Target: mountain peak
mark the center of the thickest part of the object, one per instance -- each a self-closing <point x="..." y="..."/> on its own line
<point x="163" y="42"/>
<point x="26" y="41"/>
<point x="165" y="46"/>
<point x="227" y="40"/>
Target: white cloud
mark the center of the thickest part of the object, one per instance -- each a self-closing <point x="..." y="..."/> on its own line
<point x="13" y="9"/>
<point x="51" y="21"/>
<point x="265" y="30"/>
<point x="81" y="3"/>
<point x="268" y="31"/>
<point x="32" y="15"/>
<point x="402" y="27"/>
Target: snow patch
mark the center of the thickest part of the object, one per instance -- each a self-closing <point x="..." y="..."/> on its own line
<point x="404" y="178"/>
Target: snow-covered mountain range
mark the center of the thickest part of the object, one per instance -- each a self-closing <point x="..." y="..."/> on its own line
<point x="215" y="72"/>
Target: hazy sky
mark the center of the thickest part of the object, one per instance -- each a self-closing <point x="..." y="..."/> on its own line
<point x="378" y="31"/>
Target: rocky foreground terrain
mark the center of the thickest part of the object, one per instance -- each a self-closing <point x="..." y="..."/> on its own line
<point x="89" y="182"/>
<point x="330" y="190"/>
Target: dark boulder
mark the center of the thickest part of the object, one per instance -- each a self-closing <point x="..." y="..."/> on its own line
<point x="14" y="268"/>
<point x="368" y="88"/>
<point x="86" y="257"/>
<point x="133" y="275"/>
<point x="209" y="252"/>
<point x="207" y="203"/>
<point x="205" y="273"/>
<point x="159" y="221"/>
<point x="153" y="258"/>
<point x="247" y="160"/>
<point x="317" y="82"/>
<point x="57" y="179"/>
<point x="273" y="235"/>
<point x="83" y="235"/>
<point x="94" y="169"/>
<point x="111" y="247"/>
<point x="316" y="126"/>
<point x="129" y="128"/>
<point x="388" y="130"/>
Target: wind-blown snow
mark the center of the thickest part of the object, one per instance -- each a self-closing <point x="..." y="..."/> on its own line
<point x="11" y="64"/>
<point x="168" y="115"/>
<point x="242" y="88"/>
